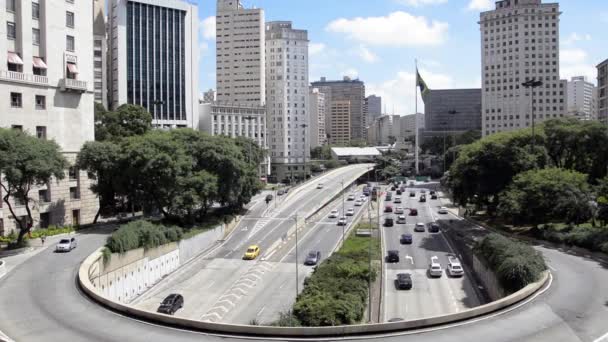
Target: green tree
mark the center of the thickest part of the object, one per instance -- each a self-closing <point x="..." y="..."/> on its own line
<point x="547" y="195"/>
<point x="601" y="191"/>
<point x="126" y="121"/>
<point x="27" y="162"/>
<point x="321" y="152"/>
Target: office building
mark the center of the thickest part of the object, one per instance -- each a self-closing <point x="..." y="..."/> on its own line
<point x="409" y="125"/>
<point x="240" y="56"/>
<point x="372" y="107"/>
<point x="385" y="130"/>
<point x="287" y="99"/>
<point x="339" y="123"/>
<point x="46" y="89"/>
<point x="154" y="59"/>
<point x="100" y="53"/>
<point x="209" y="96"/>
<point x="602" y="92"/>
<point x="317" y="135"/>
<point x="234" y="120"/>
<point x="582" y="99"/>
<point x="452" y="110"/>
<point x="349" y="90"/>
<point x="520" y="42"/>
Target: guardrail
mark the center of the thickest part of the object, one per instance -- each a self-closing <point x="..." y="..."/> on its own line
<point x="312" y="332"/>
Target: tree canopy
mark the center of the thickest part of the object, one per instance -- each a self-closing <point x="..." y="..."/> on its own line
<point x="126" y="121"/>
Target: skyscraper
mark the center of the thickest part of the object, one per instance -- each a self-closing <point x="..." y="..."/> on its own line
<point x="240" y="54"/>
<point x="602" y="92"/>
<point x="318" y="111"/>
<point x="287" y="97"/>
<point x="373" y="108"/>
<point x="582" y="99"/>
<point x="100" y="53"/>
<point x="520" y="42"/>
<point x="154" y="59"/>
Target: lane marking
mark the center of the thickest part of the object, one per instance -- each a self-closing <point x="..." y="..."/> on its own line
<point x="602" y="338"/>
<point x="553" y="269"/>
<point x="261" y="310"/>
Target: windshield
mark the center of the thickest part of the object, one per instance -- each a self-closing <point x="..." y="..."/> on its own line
<point x="312" y="255"/>
<point x="64" y="241"/>
<point x="251" y="250"/>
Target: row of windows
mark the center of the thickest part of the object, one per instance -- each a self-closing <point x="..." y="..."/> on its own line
<point x="17" y="101"/>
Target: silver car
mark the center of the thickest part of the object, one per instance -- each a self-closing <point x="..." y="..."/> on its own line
<point x="66" y="245"/>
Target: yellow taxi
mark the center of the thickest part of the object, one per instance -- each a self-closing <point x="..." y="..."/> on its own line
<point x="252" y="252"/>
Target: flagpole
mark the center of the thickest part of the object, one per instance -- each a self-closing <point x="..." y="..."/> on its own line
<point x="416" y="118"/>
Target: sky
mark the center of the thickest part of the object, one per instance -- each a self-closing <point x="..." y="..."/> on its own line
<point x="378" y="41"/>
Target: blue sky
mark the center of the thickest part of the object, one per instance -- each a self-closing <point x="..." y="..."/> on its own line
<point x="378" y="41"/>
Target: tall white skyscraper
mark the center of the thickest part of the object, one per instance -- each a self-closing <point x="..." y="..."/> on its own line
<point x="582" y="99"/>
<point x="317" y="109"/>
<point x="154" y="59"/>
<point x="520" y="42"/>
<point x="287" y="97"/>
<point x="240" y="53"/>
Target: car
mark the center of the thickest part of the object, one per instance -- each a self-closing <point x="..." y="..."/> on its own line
<point x="269" y="198"/>
<point x="281" y="192"/>
<point x="320" y="186"/>
<point x="413" y="212"/>
<point x="412" y="183"/>
<point x="252" y="252"/>
<point x="422" y="198"/>
<point x="419" y="227"/>
<point x="388" y="197"/>
<point x="454" y="267"/>
<point x="351" y="197"/>
<point x="398" y="191"/>
<point x="401" y="219"/>
<point x="388" y="209"/>
<point x="350" y="212"/>
<point x="412" y="194"/>
<point x="404" y="281"/>
<point x="363" y="198"/>
<point x="406" y="239"/>
<point x="435" y="269"/>
<point x="432" y="192"/>
<point x="171" y="304"/>
<point x="393" y="256"/>
<point x="397" y="200"/>
<point x="367" y="191"/>
<point x="442" y="210"/>
<point x="358" y="203"/>
<point x="333" y="214"/>
<point x="399" y="210"/>
<point x="312" y="258"/>
<point x="393" y="188"/>
<point x="433" y="227"/>
<point x="66" y="245"/>
<point x="423" y="191"/>
<point x="389" y="222"/>
<point x="342" y="221"/>
<point x="434" y="196"/>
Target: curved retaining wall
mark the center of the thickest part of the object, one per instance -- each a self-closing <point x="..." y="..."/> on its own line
<point x="94" y="293"/>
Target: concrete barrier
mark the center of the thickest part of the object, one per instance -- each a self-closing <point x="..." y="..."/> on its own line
<point x="2" y="268"/>
<point x="266" y="331"/>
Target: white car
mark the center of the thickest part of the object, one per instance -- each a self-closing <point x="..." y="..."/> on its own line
<point x="66" y="245"/>
<point x="419" y="227"/>
<point x="333" y="214"/>
<point x="435" y="269"/>
<point x="358" y="203"/>
<point x="363" y="198"/>
<point x="351" y="197"/>
<point x="350" y="212"/>
<point x="399" y="210"/>
<point x="342" y="221"/>
<point x="320" y="186"/>
<point x="442" y="210"/>
<point x="454" y="267"/>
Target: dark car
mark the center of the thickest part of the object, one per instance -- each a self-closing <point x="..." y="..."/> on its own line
<point x="388" y="198"/>
<point x="406" y="239"/>
<point x="393" y="256"/>
<point x="398" y="191"/>
<point x="171" y="304"/>
<point x="312" y="258"/>
<point x="412" y="194"/>
<point x="432" y="192"/>
<point x="413" y="212"/>
<point x="388" y="209"/>
<point x="269" y="198"/>
<point x="388" y="222"/>
<point x="423" y="198"/>
<point x="434" y="196"/>
<point x="404" y="281"/>
<point x="393" y="188"/>
<point x="281" y="192"/>
<point x="433" y="227"/>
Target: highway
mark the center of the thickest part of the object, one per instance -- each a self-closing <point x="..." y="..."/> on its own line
<point x="40" y="301"/>
<point x="429" y="296"/>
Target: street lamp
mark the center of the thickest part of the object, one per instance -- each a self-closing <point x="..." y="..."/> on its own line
<point x="532" y="84"/>
<point x="445" y="124"/>
<point x="453" y="112"/>
<point x="343" y="213"/>
<point x="249" y="118"/>
<point x="297" y="262"/>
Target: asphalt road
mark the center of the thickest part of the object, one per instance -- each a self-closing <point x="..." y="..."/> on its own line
<point x="429" y="296"/>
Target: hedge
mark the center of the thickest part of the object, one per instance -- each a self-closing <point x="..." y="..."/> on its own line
<point x="515" y="264"/>
<point x="142" y="234"/>
<point x="591" y="238"/>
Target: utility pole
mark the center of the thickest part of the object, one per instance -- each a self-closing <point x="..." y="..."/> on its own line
<point x="343" y="214"/>
<point x="532" y="84"/>
<point x="297" y="261"/>
<point x="453" y="112"/>
<point x="305" y="171"/>
<point x="369" y="274"/>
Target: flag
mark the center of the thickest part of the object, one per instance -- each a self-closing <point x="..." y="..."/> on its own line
<point x="420" y="82"/>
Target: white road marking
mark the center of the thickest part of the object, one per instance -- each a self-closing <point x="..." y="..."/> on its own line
<point x="551" y="267"/>
<point x="602" y="338"/>
<point x="410" y="258"/>
<point x="261" y="310"/>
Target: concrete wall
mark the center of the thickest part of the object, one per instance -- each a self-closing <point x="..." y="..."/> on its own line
<point x="2" y="268"/>
<point x="190" y="248"/>
<point x="488" y="279"/>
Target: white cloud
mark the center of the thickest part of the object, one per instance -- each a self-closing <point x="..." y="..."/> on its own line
<point x="480" y="5"/>
<point x="398" y="29"/>
<point x="573" y="62"/>
<point x="203" y="49"/>
<point x="572" y="56"/>
<point x="207" y="28"/>
<point x="366" y="54"/>
<point x="351" y="72"/>
<point x="418" y="3"/>
<point x="315" y="48"/>
<point x="575" y="37"/>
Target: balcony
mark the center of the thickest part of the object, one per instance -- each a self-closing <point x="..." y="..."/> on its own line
<point x="69" y="84"/>
<point x="20" y="77"/>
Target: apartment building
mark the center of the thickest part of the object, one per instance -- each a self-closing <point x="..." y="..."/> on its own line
<point x="602" y="92"/>
<point x="339" y="123"/>
<point x="582" y="99"/>
<point x="240" y="56"/>
<point x="154" y="59"/>
<point x="46" y="89"/>
<point x="520" y="42"/>
<point x="317" y="135"/>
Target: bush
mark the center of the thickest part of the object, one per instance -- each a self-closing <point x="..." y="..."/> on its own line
<point x="515" y="264"/>
<point x="138" y="234"/>
<point x="51" y="231"/>
<point x="594" y="239"/>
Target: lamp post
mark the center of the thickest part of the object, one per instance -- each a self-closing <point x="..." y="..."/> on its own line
<point x="532" y="84"/>
<point x="305" y="171"/>
<point x="343" y="213"/>
<point x="445" y="124"/>
<point x="297" y="262"/>
<point x="369" y="274"/>
<point x="453" y="112"/>
<point x="249" y="118"/>
<point x="157" y="103"/>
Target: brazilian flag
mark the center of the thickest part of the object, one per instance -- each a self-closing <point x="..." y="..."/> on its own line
<point x="420" y="82"/>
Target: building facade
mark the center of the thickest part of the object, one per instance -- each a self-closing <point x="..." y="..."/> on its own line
<point x="372" y="107"/>
<point x="240" y="57"/>
<point x="453" y="110"/>
<point x="317" y="134"/>
<point x="520" y="42"/>
<point x="100" y="53"/>
<point x="287" y="97"/>
<point x="339" y="122"/>
<point x="409" y="125"/>
<point x="46" y="89"/>
<point x="234" y="120"/>
<point x="154" y="59"/>
<point x="349" y="90"/>
<point x="602" y="92"/>
<point x="209" y="96"/>
<point x="582" y="99"/>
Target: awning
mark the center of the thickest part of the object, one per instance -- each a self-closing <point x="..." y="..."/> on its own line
<point x="39" y="63"/>
<point x="14" y="58"/>
<point x="73" y="68"/>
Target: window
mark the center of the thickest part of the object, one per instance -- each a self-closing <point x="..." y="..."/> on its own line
<point x="70" y="45"/>
<point x="17" y="128"/>
<point x="11" y="30"/>
<point x="69" y="19"/>
<point x="40" y="102"/>
<point x="35" y="10"/>
<point x="74" y="193"/>
<point x="43" y="196"/>
<point x="41" y="132"/>
<point x="35" y="36"/>
<point x="45" y="220"/>
<point x="10" y="5"/>
<point x="73" y="173"/>
<point x="16" y="100"/>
